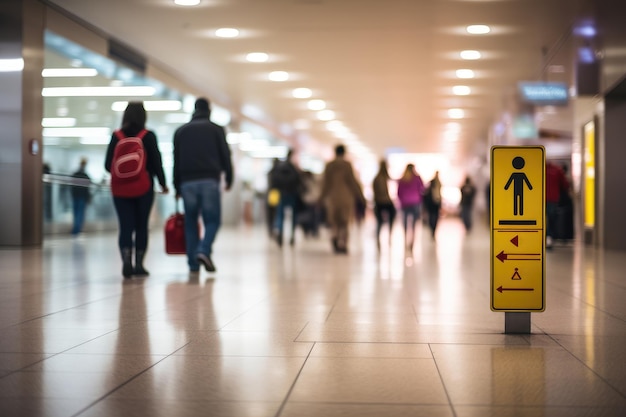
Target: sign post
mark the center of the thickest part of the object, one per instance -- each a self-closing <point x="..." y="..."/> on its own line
<point x="517" y="234"/>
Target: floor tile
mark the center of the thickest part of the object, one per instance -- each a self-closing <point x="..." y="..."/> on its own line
<point x="520" y="376"/>
<point x="212" y="378"/>
<point x="118" y="366"/>
<point x="307" y="409"/>
<point x="16" y="361"/>
<point x="41" y="407"/>
<point x="155" y="407"/>
<point x="371" y="350"/>
<point x="370" y="380"/>
<point x="527" y="411"/>
<point x="247" y="344"/>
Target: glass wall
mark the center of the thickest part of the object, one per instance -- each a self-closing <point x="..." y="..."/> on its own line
<point x="84" y="97"/>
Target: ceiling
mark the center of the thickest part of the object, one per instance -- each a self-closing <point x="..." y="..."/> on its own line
<point x="385" y="68"/>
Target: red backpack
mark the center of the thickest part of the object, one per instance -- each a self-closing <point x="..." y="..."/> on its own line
<point x="129" y="176"/>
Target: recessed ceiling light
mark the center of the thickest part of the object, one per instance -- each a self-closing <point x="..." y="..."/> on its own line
<point x="456" y="113"/>
<point x="227" y="33"/>
<point x="279" y="76"/>
<point x="335" y="125"/>
<point x="465" y="73"/>
<point x="470" y="55"/>
<point x="461" y="90"/>
<point x="257" y="57"/>
<point x="478" y="29"/>
<point x="302" y="93"/>
<point x="316" y="104"/>
<point x="187" y="2"/>
<point x="326" y="115"/>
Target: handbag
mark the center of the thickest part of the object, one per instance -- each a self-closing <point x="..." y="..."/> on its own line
<point x="175" y="234"/>
<point x="273" y="197"/>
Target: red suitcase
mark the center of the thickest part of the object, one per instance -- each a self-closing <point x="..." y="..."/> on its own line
<point x="175" y="234"/>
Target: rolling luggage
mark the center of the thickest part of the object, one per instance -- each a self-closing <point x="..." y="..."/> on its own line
<point x="175" y="234"/>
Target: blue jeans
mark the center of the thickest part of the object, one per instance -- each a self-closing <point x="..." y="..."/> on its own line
<point x="79" y="205"/>
<point x="286" y="200"/>
<point x="201" y="198"/>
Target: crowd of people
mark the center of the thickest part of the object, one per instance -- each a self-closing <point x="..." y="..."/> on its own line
<point x="202" y="160"/>
<point x="336" y="199"/>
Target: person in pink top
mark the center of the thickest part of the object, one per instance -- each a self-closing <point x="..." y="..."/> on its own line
<point x="410" y="190"/>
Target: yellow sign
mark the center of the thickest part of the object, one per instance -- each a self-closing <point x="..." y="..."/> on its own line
<point x="517" y="228"/>
<point x="590" y="174"/>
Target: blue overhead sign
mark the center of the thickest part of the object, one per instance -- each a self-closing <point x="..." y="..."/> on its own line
<point x="544" y="93"/>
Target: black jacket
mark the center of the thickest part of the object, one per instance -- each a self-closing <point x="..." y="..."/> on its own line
<point x="286" y="178"/>
<point x="201" y="152"/>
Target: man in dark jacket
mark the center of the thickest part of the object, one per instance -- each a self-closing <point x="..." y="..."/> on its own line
<point x="81" y="196"/>
<point x="286" y="178"/>
<point x="201" y="156"/>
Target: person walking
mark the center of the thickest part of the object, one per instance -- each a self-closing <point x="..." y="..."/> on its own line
<point x="410" y="191"/>
<point x="384" y="209"/>
<point x="272" y="199"/>
<point x="133" y="186"/>
<point x="310" y="216"/>
<point x="81" y="196"/>
<point x="201" y="157"/>
<point x="286" y="178"/>
<point x="468" y="192"/>
<point x="340" y="192"/>
<point x="432" y="202"/>
<point x="556" y="183"/>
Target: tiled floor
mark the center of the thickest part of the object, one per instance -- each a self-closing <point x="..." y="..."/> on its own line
<point x="300" y="332"/>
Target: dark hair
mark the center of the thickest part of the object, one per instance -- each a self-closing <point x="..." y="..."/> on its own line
<point x="340" y="150"/>
<point x="202" y="104"/>
<point x="134" y="116"/>
<point x="383" y="168"/>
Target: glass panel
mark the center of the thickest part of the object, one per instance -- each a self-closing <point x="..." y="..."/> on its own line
<point x="84" y="99"/>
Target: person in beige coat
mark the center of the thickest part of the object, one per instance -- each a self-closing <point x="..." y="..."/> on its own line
<point x="340" y="193"/>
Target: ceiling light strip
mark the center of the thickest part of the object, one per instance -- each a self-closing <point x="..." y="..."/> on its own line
<point x="128" y="91"/>
<point x="11" y="65"/>
<point x="68" y="72"/>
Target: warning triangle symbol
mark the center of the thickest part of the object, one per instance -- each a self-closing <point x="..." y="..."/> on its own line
<point x="515" y="240"/>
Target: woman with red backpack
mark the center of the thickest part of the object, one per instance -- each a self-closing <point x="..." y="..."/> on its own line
<point x="133" y="159"/>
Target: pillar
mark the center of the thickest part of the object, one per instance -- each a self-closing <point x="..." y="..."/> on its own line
<point x="22" y="24"/>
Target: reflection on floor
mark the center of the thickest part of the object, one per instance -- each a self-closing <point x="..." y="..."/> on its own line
<point x="299" y="332"/>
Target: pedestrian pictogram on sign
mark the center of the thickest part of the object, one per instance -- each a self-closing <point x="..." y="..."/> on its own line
<point x="518" y="179"/>
<point x="517" y="228"/>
